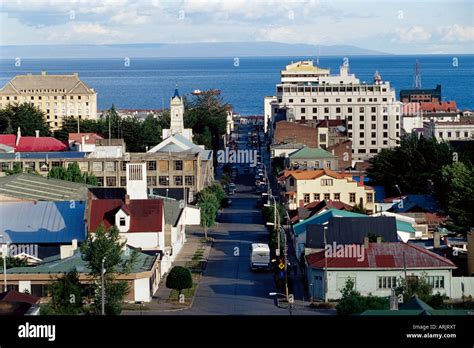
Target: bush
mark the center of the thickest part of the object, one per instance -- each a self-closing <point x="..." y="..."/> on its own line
<point x="179" y="278"/>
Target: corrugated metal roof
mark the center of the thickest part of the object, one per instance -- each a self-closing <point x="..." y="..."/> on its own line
<point x="322" y="218"/>
<point x="311" y="153"/>
<point x="385" y="255"/>
<point x="55" y="265"/>
<point x="39" y="188"/>
<point x="42" y="222"/>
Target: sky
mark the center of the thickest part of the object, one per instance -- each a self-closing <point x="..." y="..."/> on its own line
<point x="399" y="27"/>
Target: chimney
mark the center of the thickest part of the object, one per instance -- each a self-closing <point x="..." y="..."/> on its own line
<point x="127" y="199"/>
<point x="379" y="240"/>
<point x="74" y="244"/>
<point x="366" y="242"/>
<point x="436" y="240"/>
<point x="18" y="136"/>
<point x="37" y="133"/>
<point x="361" y="180"/>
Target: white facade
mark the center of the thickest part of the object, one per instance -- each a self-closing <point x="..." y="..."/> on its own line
<point x="367" y="281"/>
<point x="447" y="131"/>
<point x="136" y="181"/>
<point x="371" y="110"/>
<point x="177" y="119"/>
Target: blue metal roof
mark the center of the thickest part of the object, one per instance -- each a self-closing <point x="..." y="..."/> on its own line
<point x="44" y="155"/>
<point x="322" y="218"/>
<point x="42" y="222"/>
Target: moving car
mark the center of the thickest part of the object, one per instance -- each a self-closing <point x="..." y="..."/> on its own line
<point x="259" y="256"/>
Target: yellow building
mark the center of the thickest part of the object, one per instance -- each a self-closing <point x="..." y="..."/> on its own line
<point x="305" y="186"/>
<point x="57" y="96"/>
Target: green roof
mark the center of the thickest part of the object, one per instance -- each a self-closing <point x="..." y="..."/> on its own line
<point x="40" y="188"/>
<point x="324" y="217"/>
<point x="54" y="265"/>
<point x="311" y="153"/>
<point x="172" y="211"/>
<point x="405" y="226"/>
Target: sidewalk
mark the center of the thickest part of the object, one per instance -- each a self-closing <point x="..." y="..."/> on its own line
<point x="159" y="300"/>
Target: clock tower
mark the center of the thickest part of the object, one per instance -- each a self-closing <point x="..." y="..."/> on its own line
<point x="177" y="113"/>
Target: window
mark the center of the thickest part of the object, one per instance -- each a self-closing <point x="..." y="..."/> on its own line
<point x="124" y="166"/>
<point x="302" y="100"/>
<point x="385" y="134"/>
<point x="361" y="134"/>
<point x="97" y="166"/>
<point x="437" y="282"/>
<point x="362" y="126"/>
<point x="4" y="166"/>
<point x="373" y="109"/>
<point x="100" y="181"/>
<point x="303" y="110"/>
<point x="178" y="180"/>
<point x="385" y="117"/>
<point x="352" y="197"/>
<point x="316" y="196"/>
<point x="122" y="221"/>
<point x="164" y="180"/>
<point x="337" y="196"/>
<point x="123" y="181"/>
<point x="327" y="196"/>
<point x="449" y="134"/>
<point x="290" y="100"/>
<point x="370" y="196"/>
<point x="373" y="118"/>
<point x="385" y="126"/>
<point x="189" y="180"/>
<point x="178" y="165"/>
<point x="151" y="180"/>
<point x="110" y="166"/>
<point x="306" y="198"/>
<point x="349" y="110"/>
<point x="163" y="165"/>
<point x="338" y="110"/>
<point x="151" y="165"/>
<point x="338" y="100"/>
<point x="361" y="109"/>
<point x="326" y="100"/>
<point x="326" y="182"/>
<point x="111" y="181"/>
<point x="315" y="110"/>
<point x="326" y="110"/>
<point x="386" y="282"/>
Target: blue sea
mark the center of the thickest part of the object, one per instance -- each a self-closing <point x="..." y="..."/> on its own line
<point x="148" y="83"/>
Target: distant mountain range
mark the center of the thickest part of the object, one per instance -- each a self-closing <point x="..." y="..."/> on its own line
<point x="185" y="50"/>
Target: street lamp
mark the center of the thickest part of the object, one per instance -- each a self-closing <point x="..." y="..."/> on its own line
<point x="279" y="293"/>
<point x="325" y="267"/>
<point x="102" y="274"/>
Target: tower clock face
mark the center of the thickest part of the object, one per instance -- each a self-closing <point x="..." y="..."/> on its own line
<point x="176" y="115"/>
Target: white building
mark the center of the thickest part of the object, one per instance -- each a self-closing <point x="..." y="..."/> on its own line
<point x="380" y="270"/>
<point x="307" y="92"/>
<point x="177" y="118"/>
<point x="447" y="131"/>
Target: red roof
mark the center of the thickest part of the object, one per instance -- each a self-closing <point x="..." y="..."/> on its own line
<point x="33" y="144"/>
<point x="15" y="296"/>
<point x="384" y="255"/>
<point x="40" y="144"/>
<point x="89" y="138"/>
<point x="445" y="106"/>
<point x="146" y="215"/>
<point x="329" y="204"/>
<point x="8" y="139"/>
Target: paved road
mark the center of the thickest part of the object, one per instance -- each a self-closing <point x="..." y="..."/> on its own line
<point x="228" y="285"/>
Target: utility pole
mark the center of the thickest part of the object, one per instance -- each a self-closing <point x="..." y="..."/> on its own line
<point x="103" y="286"/>
<point x="325" y="268"/>
<point x="4" y="256"/>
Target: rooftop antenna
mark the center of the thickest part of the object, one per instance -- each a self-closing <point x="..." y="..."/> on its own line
<point x="417" y="78"/>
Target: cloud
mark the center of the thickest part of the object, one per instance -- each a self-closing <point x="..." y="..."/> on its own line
<point x="457" y="33"/>
<point x="411" y="35"/>
<point x="130" y="18"/>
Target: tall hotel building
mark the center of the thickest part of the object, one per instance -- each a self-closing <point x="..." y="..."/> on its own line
<point x="307" y="92"/>
<point x="57" y="96"/>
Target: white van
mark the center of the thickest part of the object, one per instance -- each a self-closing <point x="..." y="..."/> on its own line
<point x="259" y="256"/>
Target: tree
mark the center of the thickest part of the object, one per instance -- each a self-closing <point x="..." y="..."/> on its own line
<point x="179" y="278"/>
<point x="24" y="116"/>
<point x="208" y="206"/>
<point x="17" y="169"/>
<point x="14" y="262"/>
<point x="457" y="193"/>
<point x="352" y="302"/>
<point x="107" y="244"/>
<point x="415" y="286"/>
<point x="219" y="193"/>
<point x="72" y="173"/>
<point x="151" y="131"/>
<point x="66" y="295"/>
<point x="359" y="208"/>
